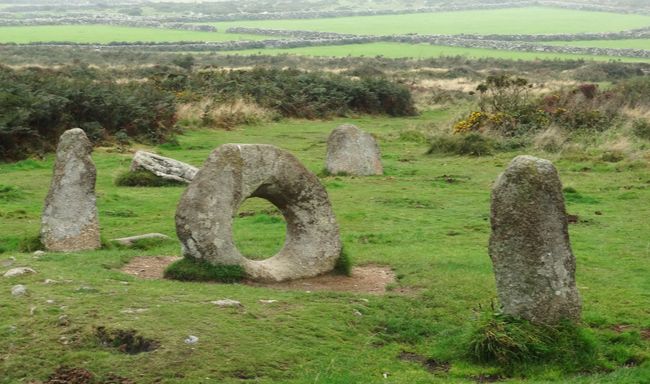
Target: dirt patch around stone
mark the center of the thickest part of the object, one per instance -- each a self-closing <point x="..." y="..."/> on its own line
<point x="149" y="267"/>
<point x="431" y="365"/>
<point x="372" y="279"/>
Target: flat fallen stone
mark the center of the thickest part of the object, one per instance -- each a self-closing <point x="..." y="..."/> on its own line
<point x="163" y="167"/>
<point x="530" y="249"/>
<point x="39" y="253"/>
<point x="69" y="222"/>
<point x="351" y="151"/>
<point x="128" y="241"/>
<point x="226" y="303"/>
<point x="18" y="290"/>
<point x="18" y="271"/>
<point x="232" y="174"/>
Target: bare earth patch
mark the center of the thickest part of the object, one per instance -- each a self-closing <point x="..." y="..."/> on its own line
<point x="371" y="279"/>
<point x="149" y="267"/>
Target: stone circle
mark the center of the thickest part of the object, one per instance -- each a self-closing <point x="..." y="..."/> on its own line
<point x="235" y="172"/>
<point x="69" y="221"/>
<point x="529" y="246"/>
<point x="351" y="151"/>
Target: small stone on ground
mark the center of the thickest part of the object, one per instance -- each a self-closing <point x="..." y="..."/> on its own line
<point x="18" y="272"/>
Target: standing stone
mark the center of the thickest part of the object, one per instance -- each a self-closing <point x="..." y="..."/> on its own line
<point x="530" y="249"/>
<point x="232" y="174"/>
<point x="69" y="221"/>
<point x="164" y="167"/>
<point x="352" y="151"/>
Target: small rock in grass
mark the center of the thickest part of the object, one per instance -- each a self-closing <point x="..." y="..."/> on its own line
<point x="18" y="272"/>
<point x="191" y="339"/>
<point x="268" y="301"/>
<point x="63" y="321"/>
<point x="49" y="301"/>
<point x="39" y="253"/>
<point x="357" y="313"/>
<point x="134" y="310"/>
<point x="226" y="303"/>
<point x="18" y="290"/>
<point x="49" y="281"/>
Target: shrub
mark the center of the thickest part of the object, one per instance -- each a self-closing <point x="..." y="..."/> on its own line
<point x="641" y="128"/>
<point x="37" y="105"/>
<point x="144" y="178"/>
<point x="473" y="144"/>
<point x="189" y="269"/>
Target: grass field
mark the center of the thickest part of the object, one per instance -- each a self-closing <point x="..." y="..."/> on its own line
<point x="109" y="33"/>
<point x="399" y="50"/>
<point x="506" y="21"/>
<point x="630" y="43"/>
<point x="431" y="232"/>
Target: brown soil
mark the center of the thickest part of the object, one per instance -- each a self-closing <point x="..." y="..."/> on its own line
<point x="149" y="267"/>
<point x="431" y="365"/>
<point x="371" y="279"/>
<point x="66" y="375"/>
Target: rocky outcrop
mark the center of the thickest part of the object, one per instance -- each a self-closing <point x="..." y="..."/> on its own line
<point x="232" y="174"/>
<point x="163" y="167"/>
<point x="69" y="221"/>
<point x="529" y="246"/>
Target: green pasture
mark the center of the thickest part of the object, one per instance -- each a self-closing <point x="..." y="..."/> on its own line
<point x="400" y="50"/>
<point x="627" y="43"/>
<point x="109" y="33"/>
<point x="427" y="218"/>
<point x="531" y="20"/>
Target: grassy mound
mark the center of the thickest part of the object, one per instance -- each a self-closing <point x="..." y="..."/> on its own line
<point x="513" y="343"/>
<point x="143" y="179"/>
<point x="188" y="269"/>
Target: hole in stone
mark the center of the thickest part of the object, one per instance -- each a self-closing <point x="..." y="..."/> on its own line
<point x="259" y="229"/>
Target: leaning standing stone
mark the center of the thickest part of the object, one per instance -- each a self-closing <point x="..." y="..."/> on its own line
<point x="69" y="221"/>
<point x="352" y="151"/>
<point x="530" y="249"/>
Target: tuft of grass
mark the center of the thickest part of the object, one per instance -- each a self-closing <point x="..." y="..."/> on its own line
<point x="571" y="195"/>
<point x="343" y="264"/>
<point x="143" y="179"/>
<point x="10" y="192"/>
<point x="190" y="269"/>
<point x="472" y="144"/>
<point x="513" y="343"/>
<point x="29" y="244"/>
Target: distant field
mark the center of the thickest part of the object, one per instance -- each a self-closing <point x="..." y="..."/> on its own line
<point x="631" y="43"/>
<point x="109" y="33"/>
<point x="398" y="50"/>
<point x="507" y="21"/>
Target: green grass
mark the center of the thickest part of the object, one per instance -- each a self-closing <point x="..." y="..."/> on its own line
<point x="187" y="269"/>
<point x="532" y="20"/>
<point x="432" y="232"/>
<point x="628" y="43"/>
<point x="423" y="51"/>
<point x="109" y="33"/>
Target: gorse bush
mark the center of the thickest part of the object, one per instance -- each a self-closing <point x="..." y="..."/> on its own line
<point x="473" y="144"/>
<point x="291" y="92"/>
<point x="37" y="105"/>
